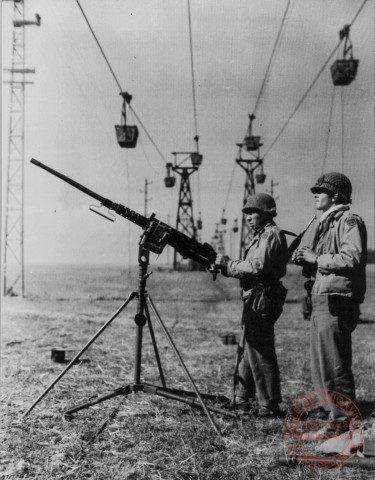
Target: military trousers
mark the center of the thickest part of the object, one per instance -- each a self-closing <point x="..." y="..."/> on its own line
<point x="258" y="371"/>
<point x="333" y="319"/>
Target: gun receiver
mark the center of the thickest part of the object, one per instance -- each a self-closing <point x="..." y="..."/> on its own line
<point x="156" y="233"/>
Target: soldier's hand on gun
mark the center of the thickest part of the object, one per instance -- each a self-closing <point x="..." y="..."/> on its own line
<point x="302" y="255"/>
<point x="221" y="263"/>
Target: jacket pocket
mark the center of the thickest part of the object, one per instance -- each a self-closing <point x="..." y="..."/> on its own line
<point x="267" y="300"/>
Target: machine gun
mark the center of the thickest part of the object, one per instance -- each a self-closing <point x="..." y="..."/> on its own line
<point x="156" y="234"/>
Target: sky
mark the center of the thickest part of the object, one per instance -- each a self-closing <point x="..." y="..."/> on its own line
<point x="72" y="108"/>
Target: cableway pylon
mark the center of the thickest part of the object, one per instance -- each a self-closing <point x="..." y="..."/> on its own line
<point x="185" y="219"/>
<point x="251" y="145"/>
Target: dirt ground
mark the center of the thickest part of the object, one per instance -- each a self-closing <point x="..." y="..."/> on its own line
<point x="143" y="436"/>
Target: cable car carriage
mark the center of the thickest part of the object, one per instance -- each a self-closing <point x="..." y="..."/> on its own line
<point x="127" y="135"/>
<point x="344" y="70"/>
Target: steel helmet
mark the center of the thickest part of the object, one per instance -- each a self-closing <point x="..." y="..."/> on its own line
<point x="260" y="202"/>
<point x="334" y="182"/>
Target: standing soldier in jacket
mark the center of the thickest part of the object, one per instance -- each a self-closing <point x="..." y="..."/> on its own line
<point x="260" y="271"/>
<point x="337" y="260"/>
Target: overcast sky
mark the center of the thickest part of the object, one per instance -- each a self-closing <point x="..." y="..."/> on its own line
<point x="74" y="104"/>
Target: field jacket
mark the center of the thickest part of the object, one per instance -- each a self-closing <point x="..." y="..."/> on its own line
<point x="264" y="260"/>
<point x="342" y="257"/>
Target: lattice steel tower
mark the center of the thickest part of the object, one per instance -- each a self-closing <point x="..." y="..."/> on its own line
<point x="185" y="219"/>
<point x="14" y="277"/>
<point x="250" y="144"/>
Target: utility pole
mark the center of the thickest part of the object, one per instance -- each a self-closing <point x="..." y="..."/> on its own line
<point x="145" y="191"/>
<point x="13" y="274"/>
<point x="272" y="191"/>
<point x="250" y="145"/>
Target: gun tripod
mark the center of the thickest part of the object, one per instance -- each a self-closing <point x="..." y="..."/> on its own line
<point x="141" y="319"/>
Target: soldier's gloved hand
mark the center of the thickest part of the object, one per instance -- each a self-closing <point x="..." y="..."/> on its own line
<point x="221" y="262"/>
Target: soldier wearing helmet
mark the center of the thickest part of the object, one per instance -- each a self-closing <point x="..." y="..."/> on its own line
<point x="336" y="260"/>
<point x="260" y="270"/>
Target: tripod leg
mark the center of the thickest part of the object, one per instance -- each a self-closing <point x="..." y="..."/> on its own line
<point x="94" y="401"/>
<point x="151" y="329"/>
<point x="68" y="367"/>
<point x="188" y="376"/>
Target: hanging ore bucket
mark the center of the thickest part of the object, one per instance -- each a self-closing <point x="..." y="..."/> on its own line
<point x="252" y="143"/>
<point x="235" y="226"/>
<point x="223" y="220"/>
<point x="169" y="180"/>
<point x="199" y="222"/>
<point x="260" y="177"/>
<point x="196" y="159"/>
<point x="127" y="135"/>
<point x="344" y="70"/>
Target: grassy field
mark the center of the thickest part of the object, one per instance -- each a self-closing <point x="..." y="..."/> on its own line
<point x="144" y="436"/>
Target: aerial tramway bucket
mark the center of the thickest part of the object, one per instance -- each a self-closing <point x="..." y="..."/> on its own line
<point x="169" y="180"/>
<point x="196" y="159"/>
<point x="127" y="135"/>
<point x="260" y="177"/>
<point x="223" y="220"/>
<point x="252" y="143"/>
<point x="344" y="70"/>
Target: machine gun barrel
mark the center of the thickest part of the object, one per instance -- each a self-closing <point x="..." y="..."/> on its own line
<point x="129" y="214"/>
<point x="156" y="233"/>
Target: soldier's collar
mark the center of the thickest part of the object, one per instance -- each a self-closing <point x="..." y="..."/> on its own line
<point x="334" y="212"/>
<point x="262" y="228"/>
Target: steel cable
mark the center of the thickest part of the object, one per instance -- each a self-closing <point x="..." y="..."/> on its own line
<point x="328" y="130"/>
<point x="271" y="57"/>
<point x="192" y="71"/>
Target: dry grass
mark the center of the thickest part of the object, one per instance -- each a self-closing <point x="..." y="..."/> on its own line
<point x="147" y="437"/>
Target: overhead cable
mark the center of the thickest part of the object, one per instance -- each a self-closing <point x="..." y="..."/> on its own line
<point x="328" y="130"/>
<point x="100" y="47"/>
<point x="192" y="71"/>
<point x="272" y="56"/>
<point x="118" y="83"/>
<point x="312" y="84"/>
<point x="230" y="186"/>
